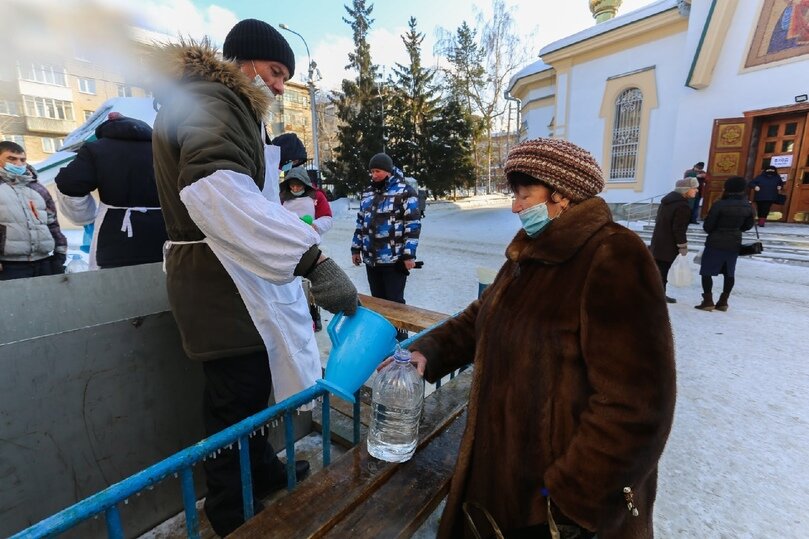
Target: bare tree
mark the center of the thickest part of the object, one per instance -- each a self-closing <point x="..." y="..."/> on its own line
<point x="504" y="53"/>
<point x="482" y="61"/>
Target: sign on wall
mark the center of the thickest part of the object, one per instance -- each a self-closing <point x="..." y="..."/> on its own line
<point x="782" y="32"/>
<point x="781" y="161"/>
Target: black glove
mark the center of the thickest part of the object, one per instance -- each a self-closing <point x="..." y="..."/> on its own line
<point x="58" y="263"/>
<point x="401" y="268"/>
<point x="332" y="289"/>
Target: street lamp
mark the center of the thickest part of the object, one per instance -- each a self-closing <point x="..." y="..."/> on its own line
<point x="381" y="111"/>
<point x="379" y="85"/>
<point x="311" y="84"/>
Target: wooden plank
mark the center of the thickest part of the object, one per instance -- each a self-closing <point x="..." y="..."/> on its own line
<point x="401" y="315"/>
<point x="324" y="499"/>
<point x="408" y="498"/>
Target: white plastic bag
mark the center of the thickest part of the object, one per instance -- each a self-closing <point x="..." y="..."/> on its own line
<point x="680" y="274"/>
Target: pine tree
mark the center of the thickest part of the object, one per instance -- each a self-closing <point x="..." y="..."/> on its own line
<point x="450" y="156"/>
<point x="412" y="107"/>
<point x="358" y="110"/>
<point x="466" y="79"/>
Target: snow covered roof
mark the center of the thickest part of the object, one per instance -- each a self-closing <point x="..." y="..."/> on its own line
<point x="602" y="28"/>
<point x="531" y="69"/>
<point x="141" y="108"/>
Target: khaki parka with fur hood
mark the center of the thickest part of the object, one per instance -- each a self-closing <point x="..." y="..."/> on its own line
<point x="574" y="381"/>
<point x="209" y="120"/>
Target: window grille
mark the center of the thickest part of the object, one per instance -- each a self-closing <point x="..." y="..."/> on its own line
<point x="87" y="86"/>
<point x="44" y="73"/>
<point x="626" y="136"/>
<point x="51" y="145"/>
<point x="19" y="139"/>
<point x="45" y="107"/>
<point x="9" y="108"/>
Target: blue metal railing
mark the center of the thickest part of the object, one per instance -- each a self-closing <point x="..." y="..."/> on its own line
<point x="180" y="464"/>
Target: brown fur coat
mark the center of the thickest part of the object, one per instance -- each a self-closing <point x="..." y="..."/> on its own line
<point x="574" y="381"/>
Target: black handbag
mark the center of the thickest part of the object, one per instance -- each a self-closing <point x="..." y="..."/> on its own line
<point x="754" y="248"/>
<point x="780" y="198"/>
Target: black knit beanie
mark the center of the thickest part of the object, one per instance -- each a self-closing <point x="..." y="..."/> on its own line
<point x="252" y="39"/>
<point x="292" y="149"/>
<point x="381" y="161"/>
<point x="735" y="184"/>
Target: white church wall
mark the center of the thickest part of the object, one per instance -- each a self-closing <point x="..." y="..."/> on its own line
<point x="538" y="120"/>
<point x="587" y="129"/>
<point x="538" y="110"/>
<point x="733" y="89"/>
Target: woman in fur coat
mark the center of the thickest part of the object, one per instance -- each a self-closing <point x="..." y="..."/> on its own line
<point x="574" y="381"/>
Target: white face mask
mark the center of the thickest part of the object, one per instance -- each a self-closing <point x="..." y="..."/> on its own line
<point x="259" y="83"/>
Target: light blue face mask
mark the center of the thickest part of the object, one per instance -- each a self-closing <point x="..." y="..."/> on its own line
<point x="287" y="167"/>
<point x="19" y="170"/>
<point x="535" y="219"/>
<point x="298" y="193"/>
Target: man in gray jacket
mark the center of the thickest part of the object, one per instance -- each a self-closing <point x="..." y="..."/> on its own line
<point x="29" y="229"/>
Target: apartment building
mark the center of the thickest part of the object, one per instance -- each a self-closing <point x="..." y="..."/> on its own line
<point x="45" y="97"/>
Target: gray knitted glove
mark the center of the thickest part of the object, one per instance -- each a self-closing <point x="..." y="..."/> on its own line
<point x="332" y="289"/>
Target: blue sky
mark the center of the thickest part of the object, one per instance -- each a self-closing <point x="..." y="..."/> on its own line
<point x="329" y="38"/>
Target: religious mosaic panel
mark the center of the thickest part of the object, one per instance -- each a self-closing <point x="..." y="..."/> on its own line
<point x="730" y="136"/>
<point x="725" y="164"/>
<point x="782" y="32"/>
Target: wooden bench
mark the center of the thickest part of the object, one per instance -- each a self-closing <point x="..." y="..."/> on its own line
<point x="360" y="496"/>
<point x="401" y="315"/>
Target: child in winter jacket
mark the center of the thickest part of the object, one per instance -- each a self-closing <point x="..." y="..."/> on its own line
<point x="299" y="196"/>
<point x="306" y="201"/>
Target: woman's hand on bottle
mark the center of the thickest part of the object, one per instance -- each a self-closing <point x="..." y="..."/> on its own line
<point x="416" y="358"/>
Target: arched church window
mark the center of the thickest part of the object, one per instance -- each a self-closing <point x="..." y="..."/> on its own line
<point x="626" y="135"/>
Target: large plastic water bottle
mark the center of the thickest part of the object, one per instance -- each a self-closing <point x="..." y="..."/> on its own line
<point x="398" y="396"/>
<point x="76" y="265"/>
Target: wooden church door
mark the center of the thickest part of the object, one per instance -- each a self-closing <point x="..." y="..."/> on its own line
<point x="727" y="157"/>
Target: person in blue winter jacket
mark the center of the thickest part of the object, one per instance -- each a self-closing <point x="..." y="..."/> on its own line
<point x="387" y="233"/>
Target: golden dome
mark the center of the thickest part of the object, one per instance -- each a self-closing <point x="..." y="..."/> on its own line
<point x="604" y="10"/>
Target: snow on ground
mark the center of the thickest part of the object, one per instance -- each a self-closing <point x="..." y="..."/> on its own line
<point x="737" y="461"/>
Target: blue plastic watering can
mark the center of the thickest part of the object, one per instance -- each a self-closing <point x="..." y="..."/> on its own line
<point x="358" y="344"/>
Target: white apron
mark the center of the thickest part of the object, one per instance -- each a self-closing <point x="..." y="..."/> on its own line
<point x="279" y="312"/>
<point x="126" y="226"/>
<point x="83" y="211"/>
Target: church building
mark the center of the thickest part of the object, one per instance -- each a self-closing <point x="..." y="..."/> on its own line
<point x="656" y="90"/>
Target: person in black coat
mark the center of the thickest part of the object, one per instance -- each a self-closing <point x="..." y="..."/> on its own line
<point x="129" y="226"/>
<point x="767" y="187"/>
<point x="671" y="224"/>
<point x="725" y="222"/>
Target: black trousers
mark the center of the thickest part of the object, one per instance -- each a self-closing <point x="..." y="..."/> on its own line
<point x="235" y="388"/>
<point x="21" y="270"/>
<point x="388" y="282"/>
<point x="763" y="208"/>
<point x="664" y="268"/>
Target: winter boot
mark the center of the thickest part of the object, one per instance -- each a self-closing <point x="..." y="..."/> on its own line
<point x="722" y="304"/>
<point x="314" y="310"/>
<point x="670" y="300"/>
<point x="707" y="303"/>
<point x="761" y="221"/>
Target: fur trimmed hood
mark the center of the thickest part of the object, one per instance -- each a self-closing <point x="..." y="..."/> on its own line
<point x="192" y="60"/>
